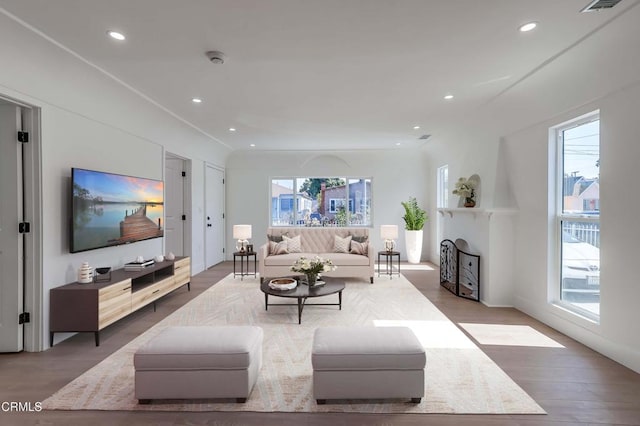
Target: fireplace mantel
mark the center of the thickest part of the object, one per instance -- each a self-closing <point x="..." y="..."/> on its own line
<point x="475" y="211"/>
<point x="487" y="231"/>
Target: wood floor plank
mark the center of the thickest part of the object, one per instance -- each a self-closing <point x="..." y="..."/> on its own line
<point x="574" y="384"/>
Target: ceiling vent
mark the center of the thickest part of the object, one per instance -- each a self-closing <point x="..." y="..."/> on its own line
<point x="424" y="137"/>
<point x="598" y="5"/>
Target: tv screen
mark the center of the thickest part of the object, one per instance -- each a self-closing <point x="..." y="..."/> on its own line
<point x="110" y="209"/>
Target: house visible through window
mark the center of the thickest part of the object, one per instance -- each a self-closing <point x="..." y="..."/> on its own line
<point x="334" y="201"/>
<point x="578" y="215"/>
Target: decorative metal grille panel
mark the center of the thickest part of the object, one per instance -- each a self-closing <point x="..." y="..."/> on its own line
<point x="459" y="271"/>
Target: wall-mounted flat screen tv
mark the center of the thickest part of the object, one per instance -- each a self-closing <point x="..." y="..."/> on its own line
<point x="110" y="209"/>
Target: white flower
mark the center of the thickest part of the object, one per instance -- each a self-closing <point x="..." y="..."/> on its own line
<point x="465" y="188"/>
<point x="312" y="266"/>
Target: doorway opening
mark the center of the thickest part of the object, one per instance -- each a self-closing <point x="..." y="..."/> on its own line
<point x="20" y="228"/>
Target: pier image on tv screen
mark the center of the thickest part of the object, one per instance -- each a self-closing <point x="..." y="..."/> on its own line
<point x="110" y="209"/>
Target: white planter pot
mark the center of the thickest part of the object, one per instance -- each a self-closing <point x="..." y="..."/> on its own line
<point x="413" y="240"/>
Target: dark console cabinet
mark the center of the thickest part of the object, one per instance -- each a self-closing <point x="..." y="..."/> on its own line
<point x="91" y="307"/>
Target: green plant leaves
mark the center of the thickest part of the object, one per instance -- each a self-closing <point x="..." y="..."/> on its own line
<point x="414" y="217"/>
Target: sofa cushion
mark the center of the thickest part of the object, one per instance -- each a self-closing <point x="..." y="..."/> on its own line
<point x="286" y="259"/>
<point x="200" y="348"/>
<point x="340" y="244"/>
<point x="345" y="259"/>
<point x="366" y="348"/>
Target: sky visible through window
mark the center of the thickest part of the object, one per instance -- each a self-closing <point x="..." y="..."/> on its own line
<point x="582" y="150"/>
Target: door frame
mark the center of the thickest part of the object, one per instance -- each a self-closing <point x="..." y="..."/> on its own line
<point x="186" y="200"/>
<point x="32" y="213"/>
<point x="204" y="216"/>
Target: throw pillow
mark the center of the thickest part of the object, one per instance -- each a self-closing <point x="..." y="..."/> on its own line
<point x="360" y="248"/>
<point x="360" y="239"/>
<point x="278" y="248"/>
<point x="294" y="245"/>
<point x="274" y="238"/>
<point x="341" y="245"/>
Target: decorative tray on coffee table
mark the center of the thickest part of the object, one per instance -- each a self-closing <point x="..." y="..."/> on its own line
<point x="283" y="284"/>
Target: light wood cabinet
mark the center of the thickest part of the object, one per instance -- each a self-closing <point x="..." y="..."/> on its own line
<point x="91" y="307"/>
<point x="114" y="302"/>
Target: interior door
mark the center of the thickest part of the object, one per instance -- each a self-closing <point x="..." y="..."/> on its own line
<point x="174" y="205"/>
<point x="214" y="216"/>
<point x="11" y="241"/>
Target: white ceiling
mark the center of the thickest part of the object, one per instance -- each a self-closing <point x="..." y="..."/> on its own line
<point x="326" y="74"/>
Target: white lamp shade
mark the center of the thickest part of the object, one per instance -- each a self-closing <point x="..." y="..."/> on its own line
<point x="241" y="232"/>
<point x="389" y="232"/>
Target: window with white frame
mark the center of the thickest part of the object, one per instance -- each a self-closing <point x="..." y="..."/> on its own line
<point x="325" y="201"/>
<point x="577" y="217"/>
<point x="335" y="204"/>
<point x="442" y="187"/>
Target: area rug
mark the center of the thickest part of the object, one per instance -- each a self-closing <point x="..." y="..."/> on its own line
<point x="460" y="378"/>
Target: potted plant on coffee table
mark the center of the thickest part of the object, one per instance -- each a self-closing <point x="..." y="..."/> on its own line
<point x="414" y="219"/>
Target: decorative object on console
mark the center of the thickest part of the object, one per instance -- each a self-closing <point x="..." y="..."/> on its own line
<point x="85" y="273"/>
<point x="159" y="258"/>
<point x="171" y="256"/>
<point x="414" y="219"/>
<point x="389" y="233"/>
<point x="138" y="265"/>
<point x="242" y="233"/>
<point x="311" y="268"/>
<point x="102" y="274"/>
<point x="466" y="188"/>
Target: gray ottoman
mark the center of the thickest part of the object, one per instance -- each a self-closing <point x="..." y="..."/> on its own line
<point x="367" y="363"/>
<point x="199" y="363"/>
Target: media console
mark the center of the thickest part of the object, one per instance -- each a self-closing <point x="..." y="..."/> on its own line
<point x="91" y="307"/>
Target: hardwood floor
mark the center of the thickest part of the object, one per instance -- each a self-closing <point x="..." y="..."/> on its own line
<point x="575" y="385"/>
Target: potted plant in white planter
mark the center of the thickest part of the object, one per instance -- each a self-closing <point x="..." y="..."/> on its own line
<point x="414" y="219"/>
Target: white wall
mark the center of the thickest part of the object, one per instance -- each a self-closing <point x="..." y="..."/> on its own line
<point x="601" y="72"/>
<point x="397" y="175"/>
<point x="620" y="151"/>
<point x="91" y="121"/>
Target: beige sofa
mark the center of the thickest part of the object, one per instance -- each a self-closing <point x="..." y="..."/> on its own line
<point x="317" y="241"/>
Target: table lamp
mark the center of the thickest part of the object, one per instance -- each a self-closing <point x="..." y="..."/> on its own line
<point x="389" y="233"/>
<point x="242" y="233"/>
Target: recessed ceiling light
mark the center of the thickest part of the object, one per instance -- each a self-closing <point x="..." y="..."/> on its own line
<point x="447" y="97"/>
<point x="398" y="144"/>
<point x="232" y="129"/>
<point x="116" y="35"/>
<point x="196" y="100"/>
<point x="528" y="27"/>
<point x="416" y="127"/>
<point x="252" y="145"/>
